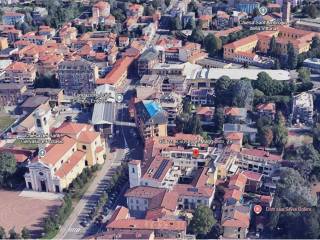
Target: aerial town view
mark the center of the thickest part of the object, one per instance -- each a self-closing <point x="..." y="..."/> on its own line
<point x="159" y="119"/>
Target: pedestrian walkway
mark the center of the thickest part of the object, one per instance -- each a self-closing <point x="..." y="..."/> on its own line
<point x="41" y="195"/>
<point x="68" y="225"/>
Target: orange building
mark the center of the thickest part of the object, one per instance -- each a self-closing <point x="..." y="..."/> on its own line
<point x="245" y="47"/>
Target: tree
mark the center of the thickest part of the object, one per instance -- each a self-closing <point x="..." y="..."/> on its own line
<point x="265" y="136"/>
<point x="25" y="233"/>
<point x="13" y="234"/>
<point x="192" y="6"/>
<point x="46" y="81"/>
<point x="176" y="23"/>
<point x="242" y="93"/>
<point x="2" y="233"/>
<point x="197" y="36"/>
<point x="306" y="160"/>
<point x="212" y="44"/>
<point x="8" y="167"/>
<point x="316" y="136"/>
<point x="167" y="2"/>
<point x="267" y="85"/>
<point x="149" y="10"/>
<point x="202" y="220"/>
<point x="273" y="50"/>
<point x="223" y="90"/>
<point x="304" y="74"/>
<point x="219" y="119"/>
<point x="312" y="11"/>
<point x="277" y="64"/>
<point x="196" y="125"/>
<point x="292" y="56"/>
<point x="315" y="42"/>
<point x="293" y="190"/>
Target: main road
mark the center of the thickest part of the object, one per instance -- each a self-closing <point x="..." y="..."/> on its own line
<point x="127" y="146"/>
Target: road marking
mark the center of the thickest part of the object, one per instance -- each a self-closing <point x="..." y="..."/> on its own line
<point x="75" y="230"/>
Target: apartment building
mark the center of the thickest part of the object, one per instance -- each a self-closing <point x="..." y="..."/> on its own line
<point x="101" y="9"/>
<point x="121" y="221"/>
<point x="79" y="146"/>
<point x="143" y="200"/>
<point x="259" y="161"/>
<point x="302" y="110"/>
<point x="266" y="109"/>
<point x="146" y="61"/>
<point x="3" y="43"/>
<point x="172" y="104"/>
<point x="11" y="93"/>
<point x="12" y="18"/>
<point x="151" y="120"/>
<point x="34" y="38"/>
<point x="67" y="34"/>
<point x="77" y="76"/>
<point x="19" y="72"/>
<point x="244" y="49"/>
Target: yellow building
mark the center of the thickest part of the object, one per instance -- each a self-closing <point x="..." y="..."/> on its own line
<point x="62" y="162"/>
<point x="3" y="43"/>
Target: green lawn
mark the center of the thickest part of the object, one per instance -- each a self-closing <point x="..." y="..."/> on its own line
<point x="5" y="121"/>
<point x="21" y="144"/>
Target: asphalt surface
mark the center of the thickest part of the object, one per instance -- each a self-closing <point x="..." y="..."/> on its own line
<point x="128" y="146"/>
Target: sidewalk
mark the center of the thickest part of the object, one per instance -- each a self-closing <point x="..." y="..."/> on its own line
<point x="83" y="201"/>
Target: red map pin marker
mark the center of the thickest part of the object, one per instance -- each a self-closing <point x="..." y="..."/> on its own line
<point x="257" y="209"/>
<point x="195" y="152"/>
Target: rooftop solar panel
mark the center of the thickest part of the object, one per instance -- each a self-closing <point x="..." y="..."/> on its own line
<point x="162" y="166"/>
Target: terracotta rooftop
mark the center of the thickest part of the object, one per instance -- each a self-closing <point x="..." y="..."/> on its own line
<point x="267" y="107"/>
<point x="68" y="165"/>
<point x="261" y="153"/>
<point x="56" y="151"/>
<point x="118" y="70"/>
<point x="252" y="175"/>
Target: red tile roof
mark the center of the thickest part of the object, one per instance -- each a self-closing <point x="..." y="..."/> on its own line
<point x="261" y="153"/>
<point x="118" y="70"/>
<point x="56" y="151"/>
<point x="67" y="166"/>
<point x="252" y="175"/>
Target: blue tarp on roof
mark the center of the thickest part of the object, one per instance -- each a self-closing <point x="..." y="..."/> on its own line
<point x="152" y="107"/>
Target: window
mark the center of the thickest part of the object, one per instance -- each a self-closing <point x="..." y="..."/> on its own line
<point x="132" y="170"/>
<point x="84" y="147"/>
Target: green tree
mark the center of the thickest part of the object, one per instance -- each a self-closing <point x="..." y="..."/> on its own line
<point x="266" y="136"/>
<point x="192" y="6"/>
<point x="25" y="233"/>
<point x="2" y="233"/>
<point x="191" y="24"/>
<point x="242" y="93"/>
<point x="202" y="220"/>
<point x="315" y="42"/>
<point x="306" y="159"/>
<point x="223" y="90"/>
<point x="212" y="44"/>
<point x="8" y="167"/>
<point x="273" y="50"/>
<point x="219" y="119"/>
<point x="277" y="64"/>
<point x="316" y="136"/>
<point x="292" y="56"/>
<point x="149" y="10"/>
<point x="197" y="36"/>
<point x="312" y="11"/>
<point x="13" y="234"/>
<point x="267" y="85"/>
<point x="304" y="74"/>
<point x="167" y="2"/>
<point x="176" y="23"/>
